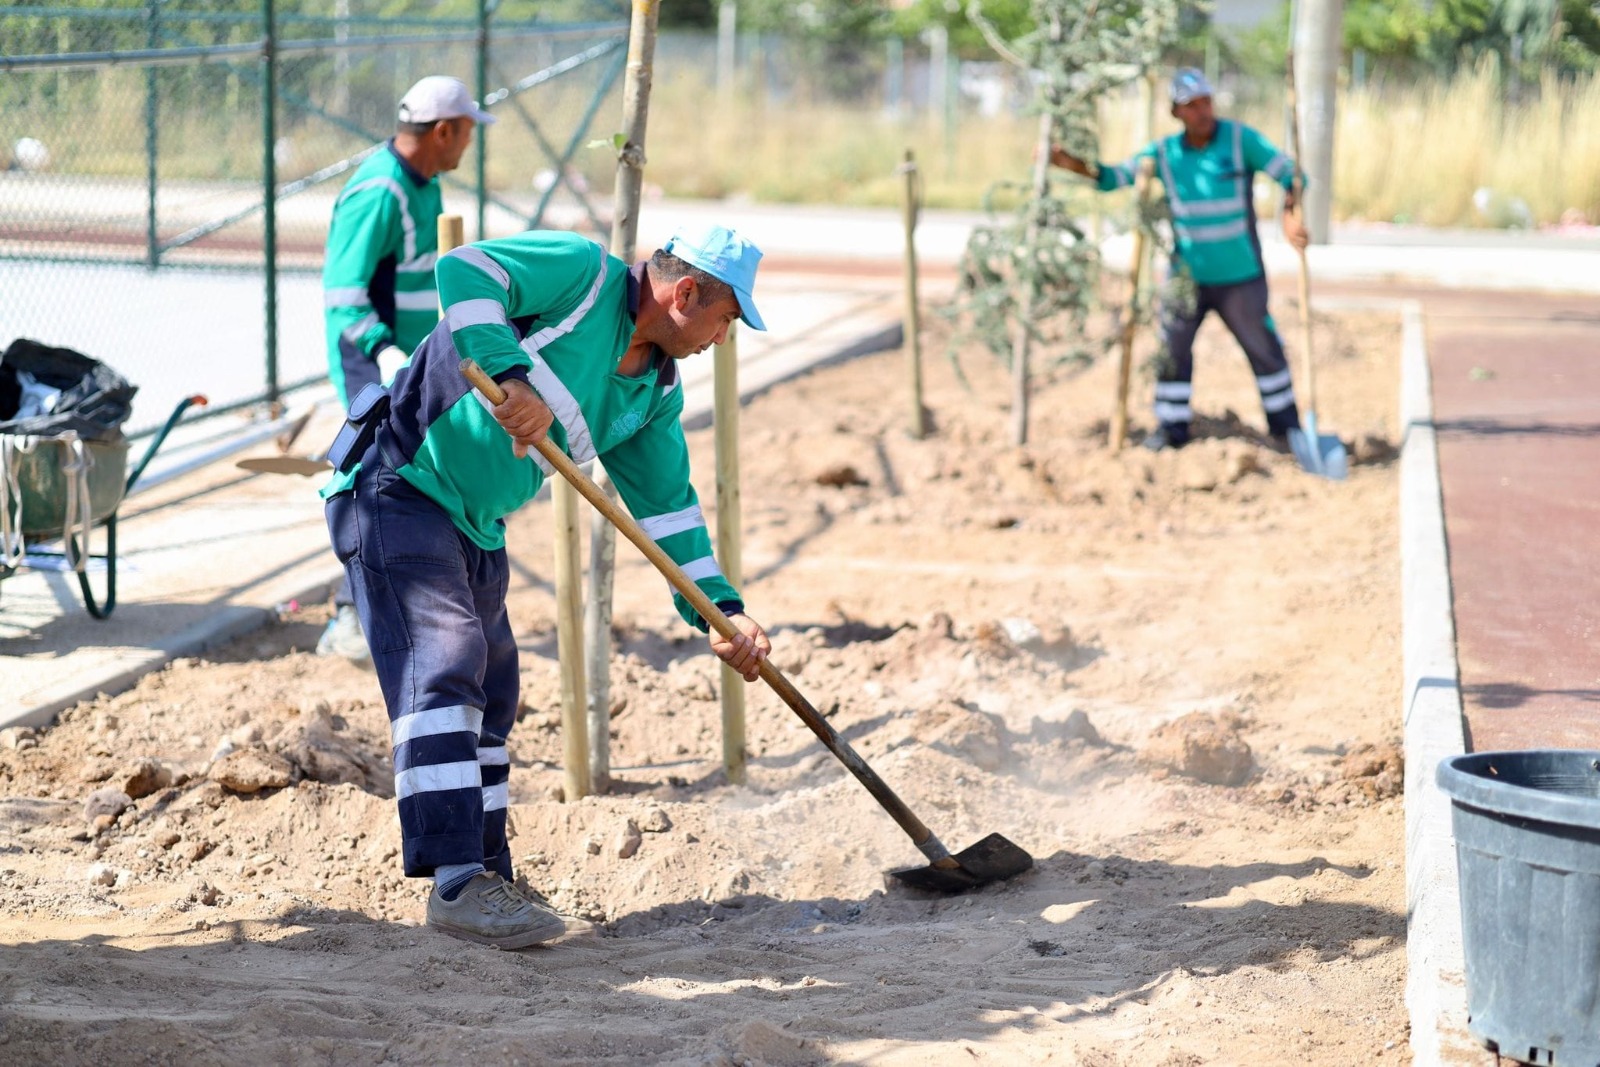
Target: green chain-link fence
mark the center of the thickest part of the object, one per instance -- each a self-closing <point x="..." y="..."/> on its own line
<point x="138" y="146"/>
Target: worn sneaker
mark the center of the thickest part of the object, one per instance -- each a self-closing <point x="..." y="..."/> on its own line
<point x="490" y="911"/>
<point x="344" y="637"/>
<point x="1166" y="437"/>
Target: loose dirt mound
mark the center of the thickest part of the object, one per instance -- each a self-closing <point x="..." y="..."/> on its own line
<point x="1052" y="642"/>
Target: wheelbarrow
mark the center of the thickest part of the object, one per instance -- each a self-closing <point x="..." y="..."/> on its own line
<point x="64" y="459"/>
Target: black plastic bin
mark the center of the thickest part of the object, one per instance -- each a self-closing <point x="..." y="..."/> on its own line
<point x="1527" y="830"/>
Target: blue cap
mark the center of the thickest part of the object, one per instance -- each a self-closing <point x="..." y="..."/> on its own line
<point x="725" y="256"/>
<point x="1189" y="84"/>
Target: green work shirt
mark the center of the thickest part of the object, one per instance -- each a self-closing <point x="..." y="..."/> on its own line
<point x="1209" y="192"/>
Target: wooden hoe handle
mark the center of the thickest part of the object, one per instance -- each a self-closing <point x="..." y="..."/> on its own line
<point x="920" y="835"/>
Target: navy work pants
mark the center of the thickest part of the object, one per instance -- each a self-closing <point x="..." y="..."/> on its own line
<point x="1243" y="309"/>
<point x="433" y="605"/>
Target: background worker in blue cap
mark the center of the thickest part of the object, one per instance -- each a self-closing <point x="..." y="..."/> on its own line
<point x="586" y="349"/>
<point x="1208" y="172"/>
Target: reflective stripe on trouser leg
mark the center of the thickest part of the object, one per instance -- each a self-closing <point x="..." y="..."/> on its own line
<point x="1243" y="309"/>
<point x="433" y="605"/>
<point x="1174" y="377"/>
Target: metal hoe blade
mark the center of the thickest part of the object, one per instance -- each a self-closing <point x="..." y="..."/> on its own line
<point x="993" y="859"/>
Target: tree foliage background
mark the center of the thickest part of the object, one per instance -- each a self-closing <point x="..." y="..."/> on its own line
<point x="1036" y="272"/>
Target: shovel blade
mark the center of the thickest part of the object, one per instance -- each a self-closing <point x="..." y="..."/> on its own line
<point x="993" y="859"/>
<point x="1319" y="454"/>
<point x="303" y="465"/>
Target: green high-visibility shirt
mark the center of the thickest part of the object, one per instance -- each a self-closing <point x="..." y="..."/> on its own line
<point x="377" y="277"/>
<point x="554" y="310"/>
<point x="1209" y="192"/>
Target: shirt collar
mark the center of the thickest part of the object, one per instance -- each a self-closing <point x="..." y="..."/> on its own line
<point x="665" y="367"/>
<point x="411" y="172"/>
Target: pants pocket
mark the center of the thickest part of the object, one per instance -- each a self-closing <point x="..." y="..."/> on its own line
<point x="384" y="622"/>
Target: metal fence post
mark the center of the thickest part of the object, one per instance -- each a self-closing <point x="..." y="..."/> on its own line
<point x="482" y="59"/>
<point x="152" y="239"/>
<point x="269" y="191"/>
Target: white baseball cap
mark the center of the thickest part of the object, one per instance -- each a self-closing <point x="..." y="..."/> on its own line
<point x="438" y="97"/>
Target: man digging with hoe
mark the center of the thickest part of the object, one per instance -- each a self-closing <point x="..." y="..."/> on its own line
<point x="585" y="349"/>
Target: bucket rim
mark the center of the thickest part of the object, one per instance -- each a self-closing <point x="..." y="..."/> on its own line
<point x="1461" y="778"/>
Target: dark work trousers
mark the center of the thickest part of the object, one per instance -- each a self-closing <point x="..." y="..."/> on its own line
<point x="359" y="372"/>
<point x="1243" y="309"/>
<point x="433" y="604"/>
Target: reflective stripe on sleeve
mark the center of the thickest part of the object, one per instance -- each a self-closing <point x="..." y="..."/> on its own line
<point x="481" y="312"/>
<point x="702" y="568"/>
<point x="423" y="264"/>
<point x="423" y="300"/>
<point x="408" y="228"/>
<point x="484" y="262"/>
<point x="353" y="296"/>
<point x="674" y="522"/>
<point x="353" y="332"/>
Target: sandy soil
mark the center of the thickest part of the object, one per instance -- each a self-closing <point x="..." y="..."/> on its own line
<point x="1172" y="678"/>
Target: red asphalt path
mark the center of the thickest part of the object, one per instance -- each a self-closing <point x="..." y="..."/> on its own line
<point x="1516" y="408"/>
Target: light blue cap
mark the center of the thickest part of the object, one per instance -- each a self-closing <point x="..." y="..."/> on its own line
<point x="725" y="256"/>
<point x="1189" y="84"/>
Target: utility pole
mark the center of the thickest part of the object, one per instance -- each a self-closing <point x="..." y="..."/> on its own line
<point x="1317" y="38"/>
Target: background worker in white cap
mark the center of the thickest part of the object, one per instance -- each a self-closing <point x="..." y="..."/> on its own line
<point x="379" y="299"/>
<point x="1208" y="172"/>
<point x="586" y="348"/>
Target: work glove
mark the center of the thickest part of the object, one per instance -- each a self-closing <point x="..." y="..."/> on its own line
<point x="390" y="359"/>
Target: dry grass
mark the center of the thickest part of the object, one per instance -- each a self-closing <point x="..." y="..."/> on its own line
<point x="1414" y="154"/>
<point x="1419" y="155"/>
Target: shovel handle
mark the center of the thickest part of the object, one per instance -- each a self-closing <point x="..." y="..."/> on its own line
<point x="920" y="835"/>
<point x="1298" y="183"/>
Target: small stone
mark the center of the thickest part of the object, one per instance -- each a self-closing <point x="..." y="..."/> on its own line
<point x="143" y="777"/>
<point x="105" y="803"/>
<point x="628" y="840"/>
<point x="655" y="822"/>
<point x="102" y="874"/>
<point x="250" y="771"/>
<point x="1021" y="632"/>
<point x="592" y="846"/>
<point x="248" y="734"/>
<point x="1202" y="747"/>
<point x="839" y="476"/>
<point x="1075" y="727"/>
<point x="168" y="839"/>
<point x="18" y="738"/>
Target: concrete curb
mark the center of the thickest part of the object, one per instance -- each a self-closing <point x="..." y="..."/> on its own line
<point x="1432" y="716"/>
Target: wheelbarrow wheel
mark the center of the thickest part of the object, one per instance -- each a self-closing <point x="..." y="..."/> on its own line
<point x="103" y="607"/>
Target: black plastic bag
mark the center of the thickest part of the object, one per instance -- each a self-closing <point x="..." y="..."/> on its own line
<point x="94" y="403"/>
